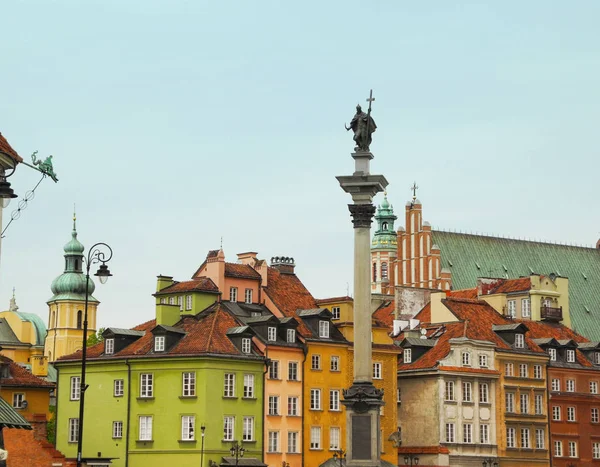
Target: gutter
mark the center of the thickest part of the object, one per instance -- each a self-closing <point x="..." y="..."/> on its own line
<point x="56" y="410"/>
<point x="305" y="352"/>
<point x="128" y="411"/>
<point x="264" y="416"/>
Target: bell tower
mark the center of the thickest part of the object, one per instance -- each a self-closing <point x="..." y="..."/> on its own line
<point x="384" y="249"/>
<point x="66" y="307"/>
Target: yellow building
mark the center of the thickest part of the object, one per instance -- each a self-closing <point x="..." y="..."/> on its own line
<point x="66" y="307"/>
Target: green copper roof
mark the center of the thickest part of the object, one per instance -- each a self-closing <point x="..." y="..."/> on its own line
<point x="385" y="235"/>
<point x="10" y="418"/>
<point x="471" y="256"/>
<point x="38" y="324"/>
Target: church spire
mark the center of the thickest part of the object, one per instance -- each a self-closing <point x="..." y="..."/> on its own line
<point x="385" y="235"/>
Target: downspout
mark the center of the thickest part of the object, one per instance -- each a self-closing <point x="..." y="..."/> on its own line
<point x="548" y="414"/>
<point x="128" y="411"/>
<point x="56" y="406"/>
<point x="305" y="352"/>
<point x="264" y="417"/>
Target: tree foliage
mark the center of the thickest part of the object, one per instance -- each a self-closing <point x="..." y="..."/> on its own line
<point x="95" y="338"/>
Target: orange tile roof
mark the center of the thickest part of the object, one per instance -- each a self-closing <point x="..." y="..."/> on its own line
<point x="345" y="298"/>
<point x="7" y="149"/>
<point x="22" y="377"/>
<point x="512" y="285"/>
<point x="424" y="316"/>
<point x="464" y="293"/>
<point x="241" y="271"/>
<point x="200" y="284"/>
<point x="384" y="315"/>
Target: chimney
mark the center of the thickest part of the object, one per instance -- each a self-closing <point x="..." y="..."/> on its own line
<point x="39" y="365"/>
<point x="247" y="258"/>
<point x="162" y="282"/>
<point x="284" y="264"/>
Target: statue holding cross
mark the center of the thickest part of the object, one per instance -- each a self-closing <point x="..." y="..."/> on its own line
<point x="363" y="126"/>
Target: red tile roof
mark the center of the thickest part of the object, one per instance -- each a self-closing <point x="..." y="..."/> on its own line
<point x="6" y="148"/>
<point x="384" y="315"/>
<point x="22" y="377"/>
<point x="241" y="271"/>
<point x="512" y="285"/>
<point x="345" y="298"/>
<point x="464" y="293"/>
<point x="200" y="284"/>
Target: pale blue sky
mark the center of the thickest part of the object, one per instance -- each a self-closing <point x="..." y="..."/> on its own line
<point x="175" y="123"/>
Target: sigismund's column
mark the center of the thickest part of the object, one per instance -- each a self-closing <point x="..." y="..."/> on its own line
<point x="362" y="400"/>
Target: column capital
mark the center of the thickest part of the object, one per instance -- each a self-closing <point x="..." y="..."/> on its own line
<point x="362" y="215"/>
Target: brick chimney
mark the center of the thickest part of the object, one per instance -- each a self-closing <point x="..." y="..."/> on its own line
<point x="284" y="264"/>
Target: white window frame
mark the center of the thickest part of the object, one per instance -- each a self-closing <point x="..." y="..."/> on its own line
<point x="109" y="346"/>
<point x="291" y="336"/>
<point x="467" y="391"/>
<point x="555" y="385"/>
<point x="556" y="413"/>
<point x="511" y="434"/>
<point x="540" y="438"/>
<point x="229" y="385"/>
<point x="147" y="385"/>
<point x="248" y="429"/>
<point x="293" y="371"/>
<point x="180" y="302"/>
<point x="593" y="387"/>
<point x="552" y="354"/>
<point x="377" y="370"/>
<point x="293" y="406"/>
<point x="595" y="415"/>
<point x="466" y="358"/>
<point x="117" y="430"/>
<point x="334" y="438"/>
<point x="596" y="358"/>
<point x="246" y="345"/>
<point x="523" y="370"/>
<point x="118" y="388"/>
<point x="315" y="362"/>
<point x="334" y="363"/>
<point x="571" y="414"/>
<point x="573" y="448"/>
<point x="75" y="393"/>
<point x="483" y="361"/>
<point x="273" y="441"/>
<point x="188" y="302"/>
<point x="558" y="450"/>
<point x="509" y="369"/>
<point x="570" y="386"/>
<point x="468" y="433"/>
<point x="524" y="403"/>
<point x="188" y="384"/>
<point x="315" y="437"/>
<point x="248" y="386"/>
<point x="271" y="333"/>
<point x="145" y="428"/>
<point x="484" y="393"/>
<point x="509" y="401"/>
<point x="233" y="294"/>
<point x="407" y="356"/>
<point x="525" y="308"/>
<point x="449" y="393"/>
<point x="519" y="341"/>
<point x="484" y="433"/>
<point x="334" y="400"/>
<point x="18" y="399"/>
<point x="73" y="430"/>
<point x="335" y="311"/>
<point x="512" y="308"/>
<point x="450" y="433"/>
<point x="595" y="450"/>
<point x="274" y="369"/>
<point x="537" y="371"/>
<point x="273" y="405"/>
<point x="315" y="399"/>
<point x="539" y="404"/>
<point x="570" y="356"/>
<point x="525" y="438"/>
<point x="228" y="427"/>
<point x="188" y="427"/>
<point x="292" y="446"/>
<point x="159" y="343"/>
<point x="248" y="296"/>
<point x="323" y="329"/>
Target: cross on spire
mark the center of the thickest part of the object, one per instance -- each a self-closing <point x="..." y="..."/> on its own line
<point x="414" y="189"/>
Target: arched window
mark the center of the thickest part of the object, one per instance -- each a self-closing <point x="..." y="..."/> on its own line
<point x="384" y="271"/>
<point x="384" y="226"/>
<point x="53" y="320"/>
<point x="79" y="319"/>
<point x="374" y="272"/>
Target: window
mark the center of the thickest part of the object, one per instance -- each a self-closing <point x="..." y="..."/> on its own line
<point x="334" y="364"/>
<point x="376" y="370"/>
<point x="537" y="371"/>
<point x="188" y="384"/>
<point x="171" y="300"/>
<point x="556" y="412"/>
<point x="163" y="301"/>
<point x="450" y="433"/>
<point x="272" y="334"/>
<point x="525" y="308"/>
<point x="315" y="362"/>
<point x="466" y="392"/>
<point x="273" y="405"/>
<point x="449" y="393"/>
<point x="146" y="385"/>
<point x="512" y="308"/>
<point x="248" y="429"/>
<point x="540" y="439"/>
<point x="180" y="303"/>
<point x="249" y="386"/>
<point x="552" y="353"/>
<point x="18" y="398"/>
<point x="291" y="336"/>
<point x="558" y="451"/>
<point x="570" y="385"/>
<point x="246" y="345"/>
<point x="335" y="311"/>
<point x="248" y="296"/>
<point x="228" y="424"/>
<point x="510" y="401"/>
<point x="334" y="400"/>
<point x="572" y="448"/>
<point x="323" y="329"/>
<point x="334" y="438"/>
<point x="118" y="387"/>
<point x="467" y="433"/>
<point x="484" y="433"/>
<point x="292" y="442"/>
<point x="109" y="346"/>
<point x="274" y="369"/>
<point x="384" y="271"/>
<point x="315" y="399"/>
<point x="229" y="385"/>
<point x="159" y="343"/>
<point x="523" y="370"/>
<point x="407" y="355"/>
<point x="524" y="403"/>
<point x="595" y="450"/>
<point x="466" y="359"/>
<point x="539" y="404"/>
<point x="292" y="405"/>
<point x="555" y="384"/>
<point x="187" y="427"/>
<point x="293" y="371"/>
<point x="145" y="433"/>
<point x="509" y="369"/>
<point x="593" y="387"/>
<point x="510" y="437"/>
<point x="398" y="395"/>
<point x="484" y="392"/>
<point x="597" y="358"/>
<point x="75" y="388"/>
<point x="595" y="418"/>
<point x="188" y="302"/>
<point x="483" y="361"/>
<point x="525" y="444"/>
<point x="117" y="430"/>
<point x="374" y="272"/>
<point x="273" y="445"/>
<point x="519" y="341"/>
<point x="73" y="430"/>
<point x="79" y="321"/>
<point x="315" y="437"/>
<point x="570" y="356"/>
<point x="570" y="414"/>
<point x="233" y="294"/>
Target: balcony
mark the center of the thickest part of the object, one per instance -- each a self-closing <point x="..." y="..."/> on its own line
<point x="552" y="314"/>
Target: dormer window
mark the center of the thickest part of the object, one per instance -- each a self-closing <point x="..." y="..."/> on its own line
<point x="570" y="356"/>
<point x="597" y="358"/>
<point x="109" y="346"/>
<point x="255" y="314"/>
<point x="159" y="343"/>
<point x="466" y="359"/>
<point x="272" y="334"/>
<point x="552" y="353"/>
<point x="407" y="355"/>
<point x="324" y="329"/>
<point x="519" y="341"/>
<point x="291" y="336"/>
<point x="512" y="308"/>
<point x="246" y="345"/>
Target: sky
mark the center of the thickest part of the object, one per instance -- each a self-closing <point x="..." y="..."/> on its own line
<point x="173" y="124"/>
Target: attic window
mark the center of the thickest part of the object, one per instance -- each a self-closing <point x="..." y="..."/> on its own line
<point x="109" y="346"/>
<point x="291" y="336"/>
<point x="324" y="329"/>
<point x="552" y="353"/>
<point x="246" y="346"/>
<point x="159" y="344"/>
<point x="597" y="358"/>
<point x="519" y="341"/>
<point x="407" y="355"/>
<point x="272" y="334"/>
<point x="255" y="314"/>
<point x="570" y="356"/>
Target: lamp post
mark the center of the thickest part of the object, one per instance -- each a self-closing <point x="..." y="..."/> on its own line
<point x="202" y="428"/>
<point x="237" y="451"/>
<point x="414" y="460"/>
<point x="98" y="253"/>
<point x="341" y="455"/>
<point x="490" y="462"/>
<point x="6" y="192"/>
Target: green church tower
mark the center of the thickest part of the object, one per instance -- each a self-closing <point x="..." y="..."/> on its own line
<point x="384" y="248"/>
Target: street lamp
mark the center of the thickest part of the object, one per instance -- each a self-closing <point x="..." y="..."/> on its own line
<point x="341" y="455"/>
<point x="98" y="253"/>
<point x="202" y="428"/>
<point x="237" y="451"/>
<point x="490" y="462"/>
<point x="6" y="192"/>
<point x="414" y="460"/>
